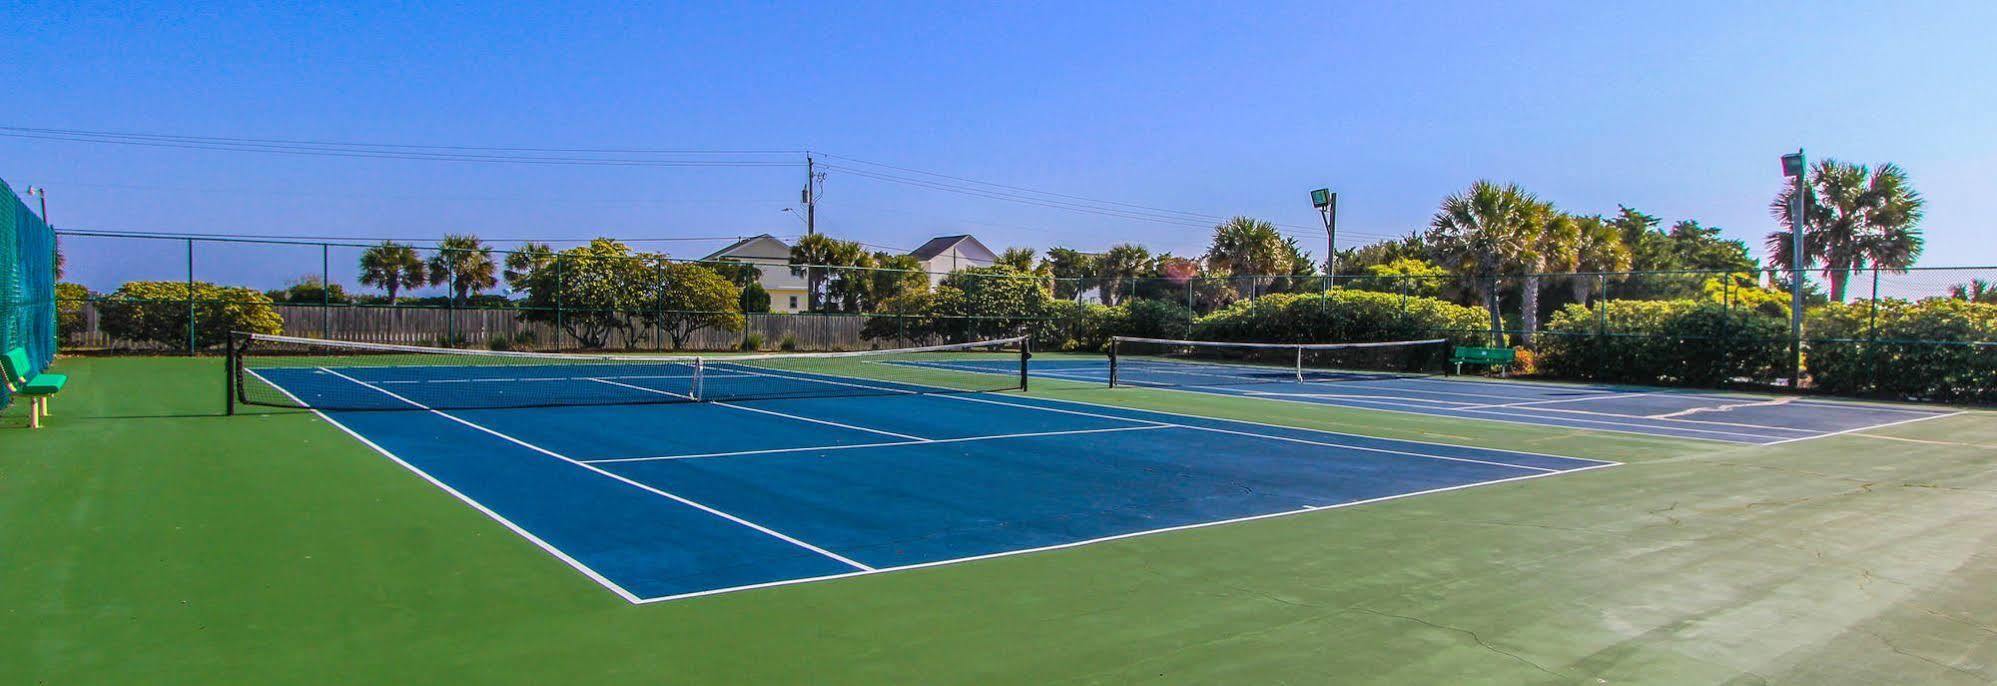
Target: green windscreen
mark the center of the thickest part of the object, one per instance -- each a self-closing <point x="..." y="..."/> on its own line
<point x="27" y="283"/>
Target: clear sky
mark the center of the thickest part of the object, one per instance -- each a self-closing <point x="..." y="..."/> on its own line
<point x="1679" y="109"/>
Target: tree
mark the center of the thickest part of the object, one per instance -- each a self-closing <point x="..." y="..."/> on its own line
<point x="463" y="265"/>
<point x="69" y="301"/>
<point x="892" y="276"/>
<point x="310" y="289"/>
<point x="523" y="262"/>
<point x="989" y="302"/>
<point x="1854" y="217"/>
<point x="1118" y="267"/>
<point x="1598" y="249"/>
<point x="1251" y="248"/>
<point x="755" y="298"/>
<point x="1481" y="233"/>
<point x="593" y="290"/>
<point x="156" y="312"/>
<point x="1549" y="247"/>
<point x="1411" y="275"/>
<point x="1976" y="291"/>
<point x="811" y="257"/>
<point x="691" y="297"/>
<point x="1019" y="259"/>
<point x="392" y="267"/>
<point x="1355" y="261"/>
<point x="1074" y="272"/>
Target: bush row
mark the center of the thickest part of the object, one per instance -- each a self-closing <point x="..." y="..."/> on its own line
<point x="1662" y="342"/>
<point x="1936" y="349"/>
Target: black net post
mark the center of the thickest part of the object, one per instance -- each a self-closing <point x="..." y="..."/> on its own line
<point x="1025" y="357"/>
<point x="1112" y="363"/>
<point x="229" y="372"/>
<point x="325" y="290"/>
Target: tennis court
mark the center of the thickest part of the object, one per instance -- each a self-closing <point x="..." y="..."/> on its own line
<point x="1706" y="415"/>
<point x="800" y="468"/>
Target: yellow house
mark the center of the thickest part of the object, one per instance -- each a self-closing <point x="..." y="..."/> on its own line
<point x="772" y="259"/>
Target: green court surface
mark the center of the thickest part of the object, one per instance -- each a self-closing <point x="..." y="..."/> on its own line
<point x="149" y="539"/>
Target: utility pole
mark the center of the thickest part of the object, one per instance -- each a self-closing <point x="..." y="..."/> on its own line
<point x="1326" y="203"/>
<point x="1795" y="167"/>
<point x="811" y="180"/>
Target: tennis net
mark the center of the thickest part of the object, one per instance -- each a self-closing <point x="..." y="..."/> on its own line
<point x="1168" y="362"/>
<point x="287" y="371"/>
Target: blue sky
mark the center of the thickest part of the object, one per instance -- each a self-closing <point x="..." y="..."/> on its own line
<point x="1678" y="109"/>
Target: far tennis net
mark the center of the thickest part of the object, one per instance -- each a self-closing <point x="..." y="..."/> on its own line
<point x="1169" y="362"/>
<point x="287" y="371"/>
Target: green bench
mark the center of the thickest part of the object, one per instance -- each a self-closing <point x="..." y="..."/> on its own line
<point x="37" y="388"/>
<point x="1502" y="358"/>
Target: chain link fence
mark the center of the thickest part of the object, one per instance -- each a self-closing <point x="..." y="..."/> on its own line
<point x="1924" y="333"/>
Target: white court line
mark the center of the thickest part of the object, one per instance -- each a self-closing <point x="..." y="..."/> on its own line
<point x="802" y="418"/>
<point x="1869" y="428"/>
<point x="593" y="575"/>
<point x="967" y="398"/>
<point x="650" y="489"/>
<point x="853" y="446"/>
<point x="1329" y="432"/>
<point x="1116" y="537"/>
<point x="535" y="379"/>
<point x="1584" y="398"/>
<point x="1772" y="402"/>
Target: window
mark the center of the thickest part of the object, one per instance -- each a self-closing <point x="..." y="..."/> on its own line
<point x="793" y="302"/>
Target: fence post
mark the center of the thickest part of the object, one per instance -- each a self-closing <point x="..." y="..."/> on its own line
<point x="559" y="285"/>
<point x="190" y="297"/>
<point x="1601" y="324"/>
<point x="325" y="290"/>
<point x="450" y="301"/>
<point x="659" y="321"/>
<point x="1872" y="335"/>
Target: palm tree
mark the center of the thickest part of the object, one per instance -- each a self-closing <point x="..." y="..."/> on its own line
<point x="1020" y="259"/>
<point x="392" y="267"/>
<point x="1976" y="291"/>
<point x="1249" y="247"/>
<point x="813" y="254"/>
<point x="521" y="264"/>
<point x="1854" y="217"/>
<point x="1479" y="234"/>
<point x="1552" y="247"/>
<point x="1120" y="265"/>
<point x="463" y="264"/>
<point x="1598" y="249"/>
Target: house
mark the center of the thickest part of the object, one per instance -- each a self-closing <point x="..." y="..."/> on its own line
<point x="772" y="258"/>
<point x="945" y="254"/>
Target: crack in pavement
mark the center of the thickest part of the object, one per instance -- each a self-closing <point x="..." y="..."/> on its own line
<point x="1473" y="636"/>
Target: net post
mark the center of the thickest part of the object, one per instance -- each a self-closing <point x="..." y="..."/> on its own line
<point x="1112" y="362"/>
<point x="229" y="372"/>
<point x="699" y="378"/>
<point x="1300" y="363"/>
<point x="1025" y="355"/>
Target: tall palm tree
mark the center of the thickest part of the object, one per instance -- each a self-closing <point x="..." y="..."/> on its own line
<point x="392" y="267"/>
<point x="1551" y="247"/>
<point x="1598" y="249"/>
<point x="1481" y="233"/>
<point x="463" y="265"/>
<point x="814" y="254"/>
<point x="1249" y="247"/>
<point x="1119" y="267"/>
<point x="1854" y="217"/>
<point x="521" y="264"/>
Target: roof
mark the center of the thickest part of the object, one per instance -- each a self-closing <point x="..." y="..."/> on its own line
<point x="742" y="248"/>
<point x="942" y="244"/>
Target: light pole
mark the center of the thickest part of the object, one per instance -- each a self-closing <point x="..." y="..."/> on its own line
<point x="1326" y="203"/>
<point x="42" y="194"/>
<point x="1796" y="167"/>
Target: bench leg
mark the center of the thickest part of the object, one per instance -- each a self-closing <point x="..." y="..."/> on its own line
<point x="35" y="413"/>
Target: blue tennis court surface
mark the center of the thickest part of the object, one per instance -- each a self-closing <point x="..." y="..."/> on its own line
<point x="667" y="501"/>
<point x="1715" y="416"/>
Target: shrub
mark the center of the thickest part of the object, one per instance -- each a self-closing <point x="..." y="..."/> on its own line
<point x="1150" y="319"/>
<point x="69" y="301"/>
<point x="788" y="344"/>
<point x="499" y="342"/>
<point x="1924" y="350"/>
<point x="751" y="342"/>
<point x="1686" y="342"/>
<point x="156" y="312"/>
<point x="1343" y="315"/>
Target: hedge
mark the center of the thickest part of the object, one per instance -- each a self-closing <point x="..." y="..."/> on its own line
<point x="1662" y="342"/>
<point x="156" y="312"/>
<point x="1343" y="315"/>
<point x="1925" y="350"/>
